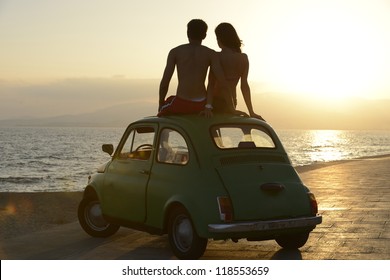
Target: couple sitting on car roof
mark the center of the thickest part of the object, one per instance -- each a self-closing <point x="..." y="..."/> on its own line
<point x="193" y="60"/>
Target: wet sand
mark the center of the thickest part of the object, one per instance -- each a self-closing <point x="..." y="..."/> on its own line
<point x="353" y="196"/>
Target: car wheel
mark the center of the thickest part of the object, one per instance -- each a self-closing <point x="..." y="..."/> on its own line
<point x="293" y="241"/>
<point x="183" y="239"/>
<point x="91" y="219"/>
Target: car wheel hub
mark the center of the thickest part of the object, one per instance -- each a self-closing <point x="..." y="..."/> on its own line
<point x="183" y="233"/>
<point x="95" y="217"/>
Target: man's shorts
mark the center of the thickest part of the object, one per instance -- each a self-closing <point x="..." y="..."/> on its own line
<point x="176" y="105"/>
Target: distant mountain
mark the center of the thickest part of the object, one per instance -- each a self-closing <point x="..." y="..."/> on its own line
<point x="119" y="115"/>
<point x="301" y="112"/>
<point x="281" y="111"/>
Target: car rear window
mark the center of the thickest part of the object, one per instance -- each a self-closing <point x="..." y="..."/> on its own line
<point x="241" y="137"/>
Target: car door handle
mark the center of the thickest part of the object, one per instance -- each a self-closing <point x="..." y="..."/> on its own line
<point x="145" y="172"/>
<point x="272" y="187"/>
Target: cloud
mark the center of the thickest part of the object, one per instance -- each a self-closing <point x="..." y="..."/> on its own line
<point x="72" y="96"/>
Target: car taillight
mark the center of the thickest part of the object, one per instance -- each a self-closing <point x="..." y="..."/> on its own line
<point x="313" y="204"/>
<point x="225" y="208"/>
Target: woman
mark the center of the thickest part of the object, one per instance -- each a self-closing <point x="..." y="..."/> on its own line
<point x="235" y="65"/>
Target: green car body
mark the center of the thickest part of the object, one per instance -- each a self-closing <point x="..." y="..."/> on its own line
<point x="227" y="177"/>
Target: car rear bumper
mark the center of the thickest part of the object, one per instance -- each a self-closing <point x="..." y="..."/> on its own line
<point x="259" y="226"/>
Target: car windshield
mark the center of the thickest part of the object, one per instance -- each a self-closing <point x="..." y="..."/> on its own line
<point x="138" y="145"/>
<point x="241" y="137"/>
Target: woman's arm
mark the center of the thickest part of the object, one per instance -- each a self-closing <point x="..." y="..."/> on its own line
<point x="245" y="89"/>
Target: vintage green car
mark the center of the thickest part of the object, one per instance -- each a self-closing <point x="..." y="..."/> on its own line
<point x="197" y="178"/>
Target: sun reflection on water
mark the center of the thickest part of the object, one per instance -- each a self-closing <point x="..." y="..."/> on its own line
<point x="326" y="145"/>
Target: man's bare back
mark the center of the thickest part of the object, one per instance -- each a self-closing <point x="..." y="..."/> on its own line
<point x="192" y="62"/>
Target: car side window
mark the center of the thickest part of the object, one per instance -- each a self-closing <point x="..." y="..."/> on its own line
<point x="172" y="148"/>
<point x="139" y="144"/>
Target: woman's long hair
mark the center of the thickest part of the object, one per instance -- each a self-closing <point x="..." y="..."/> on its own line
<point x="227" y="35"/>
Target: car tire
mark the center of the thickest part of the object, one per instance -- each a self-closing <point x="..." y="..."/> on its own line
<point x="183" y="239"/>
<point x="293" y="241"/>
<point x="91" y="219"/>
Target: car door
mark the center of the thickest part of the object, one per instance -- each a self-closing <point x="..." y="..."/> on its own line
<point x="128" y="175"/>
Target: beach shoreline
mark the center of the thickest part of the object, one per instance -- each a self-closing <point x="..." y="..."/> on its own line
<point x="318" y="165"/>
<point x="25" y="212"/>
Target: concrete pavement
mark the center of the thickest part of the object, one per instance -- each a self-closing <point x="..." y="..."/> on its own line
<point x="353" y="196"/>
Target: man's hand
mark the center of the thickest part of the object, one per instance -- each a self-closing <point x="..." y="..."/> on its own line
<point x="207" y="112"/>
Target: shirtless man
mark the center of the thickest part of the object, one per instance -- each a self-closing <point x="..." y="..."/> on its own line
<point x="192" y="62"/>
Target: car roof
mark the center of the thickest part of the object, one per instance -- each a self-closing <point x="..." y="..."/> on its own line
<point x="197" y="122"/>
<point x="194" y="125"/>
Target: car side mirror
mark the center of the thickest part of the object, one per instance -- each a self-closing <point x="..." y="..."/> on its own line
<point x="108" y="148"/>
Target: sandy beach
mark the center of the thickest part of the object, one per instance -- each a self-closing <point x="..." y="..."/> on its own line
<point x="353" y="196"/>
<point x="23" y="213"/>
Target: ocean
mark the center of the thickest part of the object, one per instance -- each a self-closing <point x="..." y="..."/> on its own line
<point x="35" y="159"/>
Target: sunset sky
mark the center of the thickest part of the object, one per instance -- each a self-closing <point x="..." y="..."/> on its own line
<point x="328" y="50"/>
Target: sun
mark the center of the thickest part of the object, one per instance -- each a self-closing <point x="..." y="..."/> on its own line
<point x="330" y="51"/>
